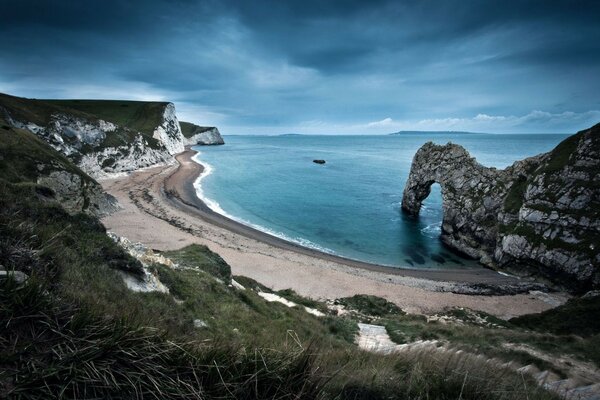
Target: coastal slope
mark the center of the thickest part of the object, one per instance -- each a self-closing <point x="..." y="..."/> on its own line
<point x="102" y="137"/>
<point x="540" y="216"/>
<point x="38" y="170"/>
<point x="200" y="135"/>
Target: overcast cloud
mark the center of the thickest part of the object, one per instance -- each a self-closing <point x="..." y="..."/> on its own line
<point x="317" y="66"/>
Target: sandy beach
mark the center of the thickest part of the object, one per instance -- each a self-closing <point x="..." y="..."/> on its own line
<point x="161" y="210"/>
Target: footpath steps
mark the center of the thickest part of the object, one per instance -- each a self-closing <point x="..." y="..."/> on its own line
<point x="376" y="339"/>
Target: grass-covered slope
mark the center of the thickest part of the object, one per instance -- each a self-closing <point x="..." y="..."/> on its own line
<point x="188" y="129"/>
<point x="25" y="157"/>
<point x="141" y="116"/>
<point x="35" y="110"/>
<point x="579" y="316"/>
<point x="74" y="330"/>
<point x="130" y="116"/>
<point x="28" y="161"/>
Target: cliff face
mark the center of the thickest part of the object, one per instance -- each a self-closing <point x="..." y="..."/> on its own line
<point x="102" y="137"/>
<point x="540" y="216"/>
<point x="200" y="135"/>
<point x="29" y="162"/>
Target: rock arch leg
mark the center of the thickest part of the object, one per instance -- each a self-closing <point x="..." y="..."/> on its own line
<point x="414" y="195"/>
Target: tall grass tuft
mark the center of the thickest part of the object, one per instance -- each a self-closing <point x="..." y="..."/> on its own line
<point x="50" y="351"/>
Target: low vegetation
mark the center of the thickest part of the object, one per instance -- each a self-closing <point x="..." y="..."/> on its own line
<point x="131" y="116"/>
<point x="188" y="129"/>
<point x="74" y="329"/>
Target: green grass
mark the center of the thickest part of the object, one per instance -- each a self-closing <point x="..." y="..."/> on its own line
<point x="52" y="351"/>
<point x="34" y="110"/>
<point x="79" y="267"/>
<point x="24" y="157"/>
<point x="141" y="116"/>
<point x="370" y="305"/>
<point x="485" y="335"/>
<point x="131" y="116"/>
<point x="188" y="129"/>
<point x="199" y="256"/>
<point x="579" y="316"/>
<point x="560" y="156"/>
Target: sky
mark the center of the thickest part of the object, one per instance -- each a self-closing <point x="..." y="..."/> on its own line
<point x="317" y="66"/>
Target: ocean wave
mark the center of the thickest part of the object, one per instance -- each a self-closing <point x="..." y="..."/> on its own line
<point x="432" y="231"/>
<point x="216" y="207"/>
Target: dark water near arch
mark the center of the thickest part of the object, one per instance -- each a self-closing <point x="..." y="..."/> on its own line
<point x="351" y="205"/>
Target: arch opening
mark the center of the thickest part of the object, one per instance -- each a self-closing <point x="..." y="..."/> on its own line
<point x="431" y="213"/>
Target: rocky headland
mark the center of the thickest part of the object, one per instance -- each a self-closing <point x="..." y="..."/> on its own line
<point x="540" y="216"/>
<point x="200" y="135"/>
<point x="105" y="137"/>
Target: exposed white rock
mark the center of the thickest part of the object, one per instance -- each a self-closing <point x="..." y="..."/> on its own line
<point x="76" y="194"/>
<point x="198" y="323"/>
<point x="84" y="141"/>
<point x="210" y="136"/>
<point x="18" y="276"/>
<point x="536" y="217"/>
<point x="237" y="285"/>
<point x="272" y="297"/>
<point x="374" y="338"/>
<point x="148" y="283"/>
<point x="169" y="131"/>
<point x="112" y="161"/>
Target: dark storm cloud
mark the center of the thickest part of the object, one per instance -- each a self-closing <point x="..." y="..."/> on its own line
<point x="317" y="66"/>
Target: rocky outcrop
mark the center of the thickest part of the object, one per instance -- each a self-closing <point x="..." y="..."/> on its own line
<point x="76" y="194"/>
<point x="99" y="147"/>
<point x="169" y="132"/>
<point x="110" y="161"/>
<point x="200" y="135"/>
<point x="540" y="216"/>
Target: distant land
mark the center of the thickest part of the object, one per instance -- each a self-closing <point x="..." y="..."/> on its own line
<point x="436" y="133"/>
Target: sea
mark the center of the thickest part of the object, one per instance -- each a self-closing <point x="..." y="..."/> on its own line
<point x="349" y="206"/>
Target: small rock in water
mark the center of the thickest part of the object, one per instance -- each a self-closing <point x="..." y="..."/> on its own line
<point x="319" y="161"/>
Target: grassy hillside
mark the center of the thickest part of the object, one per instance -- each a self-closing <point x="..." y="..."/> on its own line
<point x="188" y="129"/>
<point x="35" y="110"/>
<point x="141" y="116"/>
<point x="25" y="156"/>
<point x="74" y="329"/>
<point x="131" y="116"/>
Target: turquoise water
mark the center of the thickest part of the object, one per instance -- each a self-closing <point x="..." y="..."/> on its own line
<point x="351" y="205"/>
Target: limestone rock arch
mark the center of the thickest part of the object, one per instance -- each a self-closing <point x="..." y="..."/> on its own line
<point x="472" y="196"/>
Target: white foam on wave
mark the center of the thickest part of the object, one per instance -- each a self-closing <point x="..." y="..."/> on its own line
<point x="216" y="207"/>
<point x="432" y="230"/>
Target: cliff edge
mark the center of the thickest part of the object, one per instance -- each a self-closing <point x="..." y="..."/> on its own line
<point x="200" y="135"/>
<point x="102" y="137"/>
<point x="540" y="216"/>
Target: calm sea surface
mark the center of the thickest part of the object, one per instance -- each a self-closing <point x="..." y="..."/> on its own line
<point x="351" y="205"/>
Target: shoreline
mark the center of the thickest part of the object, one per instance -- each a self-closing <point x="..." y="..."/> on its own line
<point x="180" y="191"/>
<point x="154" y="212"/>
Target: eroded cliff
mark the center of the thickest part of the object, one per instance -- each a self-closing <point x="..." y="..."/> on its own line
<point x="102" y="137"/>
<point x="540" y="216"/>
<point x="202" y="135"/>
<point x="36" y="169"/>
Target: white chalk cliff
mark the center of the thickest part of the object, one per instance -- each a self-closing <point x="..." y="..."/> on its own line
<point x="101" y="148"/>
<point x="208" y="137"/>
